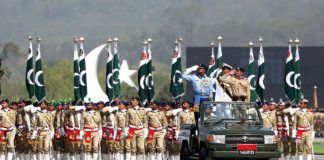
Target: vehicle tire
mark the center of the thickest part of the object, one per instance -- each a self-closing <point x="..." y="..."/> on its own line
<point x="184" y="153"/>
<point x="203" y="154"/>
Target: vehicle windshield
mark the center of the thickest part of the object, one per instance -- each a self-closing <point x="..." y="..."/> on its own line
<point x="229" y="111"/>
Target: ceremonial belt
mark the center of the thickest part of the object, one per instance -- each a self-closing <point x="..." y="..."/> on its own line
<point x="156" y="129"/>
<point x="110" y="127"/>
<point x="22" y="126"/>
<point x="136" y="127"/>
<point x="305" y="129"/>
<point x="43" y="128"/>
<point x="281" y="127"/>
<point x="69" y="128"/>
<point x="119" y="129"/>
<point x="91" y="129"/>
<point x="7" y="129"/>
<point x="201" y="94"/>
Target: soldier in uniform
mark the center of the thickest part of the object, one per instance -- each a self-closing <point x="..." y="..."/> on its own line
<point x="69" y="126"/>
<point x="45" y="131"/>
<point x="185" y="116"/>
<point x="304" y="130"/>
<point x="269" y="119"/>
<point x="108" y="131"/>
<point x="7" y="131"/>
<point x="283" y="129"/>
<point x="136" y="122"/>
<point x="58" y="142"/>
<point x="120" y="134"/>
<point x="90" y="124"/>
<point x="157" y="128"/>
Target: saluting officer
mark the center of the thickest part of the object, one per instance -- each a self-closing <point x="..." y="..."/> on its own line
<point x="269" y="119"/>
<point x="120" y="134"/>
<point x="304" y="130"/>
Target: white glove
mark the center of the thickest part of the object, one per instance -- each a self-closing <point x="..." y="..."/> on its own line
<point x="275" y="132"/>
<point x="176" y="134"/>
<point x="115" y="134"/>
<point x="52" y="134"/>
<point x="78" y="108"/>
<point x="34" y="109"/>
<point x="28" y="108"/>
<point x="33" y="135"/>
<point x="100" y="133"/>
<point x="81" y="134"/>
<point x="164" y="132"/>
<point x="111" y="109"/>
<point x="193" y="68"/>
<point x="126" y="131"/>
<point x="145" y="132"/>
<point x="313" y="135"/>
<point x="293" y="134"/>
<point x="176" y="111"/>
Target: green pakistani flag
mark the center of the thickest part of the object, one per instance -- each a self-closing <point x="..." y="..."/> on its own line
<point x="261" y="74"/>
<point x="176" y="85"/>
<point x="29" y="76"/>
<point x="289" y="75"/>
<point x="251" y="74"/>
<point x="83" y="72"/>
<point x="39" y="78"/>
<point x="116" y="66"/>
<point x="219" y="60"/>
<point x="142" y="74"/>
<point x="109" y="72"/>
<point x="212" y="64"/>
<point x="149" y="78"/>
<point x="297" y="80"/>
<point x="76" y="76"/>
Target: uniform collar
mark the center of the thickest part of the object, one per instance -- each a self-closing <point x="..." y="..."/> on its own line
<point x="187" y="110"/>
<point x="123" y="110"/>
<point x="136" y="107"/>
<point x="44" y="111"/>
<point x="156" y="110"/>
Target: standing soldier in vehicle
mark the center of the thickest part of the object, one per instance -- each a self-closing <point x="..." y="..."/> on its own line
<point x="45" y="131"/>
<point x="90" y="124"/>
<point x="136" y="121"/>
<point x="7" y="132"/>
<point x="157" y="128"/>
<point x="304" y="130"/>
<point x="120" y="134"/>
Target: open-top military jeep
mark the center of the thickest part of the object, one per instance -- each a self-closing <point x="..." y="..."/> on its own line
<point x="228" y="130"/>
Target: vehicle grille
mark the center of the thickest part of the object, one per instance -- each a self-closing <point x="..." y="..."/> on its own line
<point x="235" y="139"/>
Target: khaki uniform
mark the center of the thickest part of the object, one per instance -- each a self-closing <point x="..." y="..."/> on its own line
<point x="120" y="135"/>
<point x="44" y="125"/>
<point x="157" y="123"/>
<point x="304" y="124"/>
<point x="136" y="121"/>
<point x="283" y="132"/>
<point x="23" y="128"/>
<point x="238" y="89"/>
<point x="292" y="144"/>
<point x="7" y="133"/>
<point x="108" y="131"/>
<point x="58" y="142"/>
<point x="185" y="117"/>
<point x="172" y="144"/>
<point x="269" y="120"/>
<point x="90" y="124"/>
<point x="69" y="130"/>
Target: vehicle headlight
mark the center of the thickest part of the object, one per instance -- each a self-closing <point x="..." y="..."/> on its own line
<point x="216" y="139"/>
<point x="269" y="139"/>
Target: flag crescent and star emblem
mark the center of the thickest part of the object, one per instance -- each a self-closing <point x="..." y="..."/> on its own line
<point x="295" y="81"/>
<point x="81" y="78"/>
<point x="175" y="76"/>
<point x="115" y="70"/>
<point x="261" y="82"/>
<point x="250" y="79"/>
<point x="28" y="76"/>
<point x="149" y="82"/>
<point x="142" y="82"/>
<point x="108" y="79"/>
<point x="288" y="77"/>
<point x="36" y="78"/>
<point x="76" y="75"/>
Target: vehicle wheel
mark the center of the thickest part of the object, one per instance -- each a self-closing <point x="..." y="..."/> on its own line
<point x="184" y="153"/>
<point x="203" y="155"/>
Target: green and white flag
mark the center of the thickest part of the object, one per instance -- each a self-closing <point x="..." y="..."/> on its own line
<point x="76" y="79"/>
<point x="116" y="66"/>
<point x="29" y="77"/>
<point x="39" y="78"/>
<point x="83" y="72"/>
<point x="212" y="63"/>
<point x="251" y="74"/>
<point x="142" y="74"/>
<point x="219" y="60"/>
<point x="176" y="85"/>
<point x="149" y="78"/>
<point x="297" y="80"/>
<point x="289" y="75"/>
<point x="109" y="73"/>
<point x="261" y="75"/>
